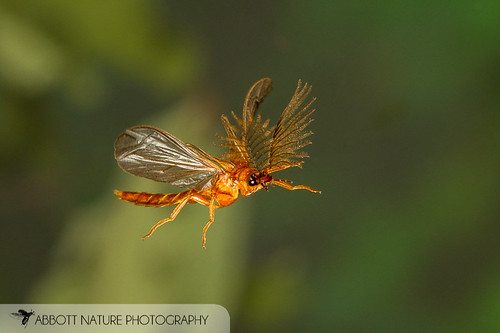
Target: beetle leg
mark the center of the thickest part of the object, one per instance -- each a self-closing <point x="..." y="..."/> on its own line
<point x="285" y="184"/>
<point x="212" y="216"/>
<point x="176" y="211"/>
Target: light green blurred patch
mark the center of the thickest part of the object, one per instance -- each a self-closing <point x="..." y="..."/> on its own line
<point x="486" y="317"/>
<point x="30" y="60"/>
<point x="275" y="294"/>
<point x="129" y="36"/>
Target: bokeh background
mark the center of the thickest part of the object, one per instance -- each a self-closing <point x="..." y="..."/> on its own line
<point x="406" y="234"/>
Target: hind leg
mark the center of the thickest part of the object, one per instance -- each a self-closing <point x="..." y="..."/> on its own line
<point x="169" y="219"/>
<point x="182" y="199"/>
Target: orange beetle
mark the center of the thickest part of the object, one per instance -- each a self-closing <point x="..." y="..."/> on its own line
<point x="255" y="151"/>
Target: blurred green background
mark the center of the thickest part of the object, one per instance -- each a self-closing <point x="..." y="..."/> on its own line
<point x="406" y="234"/>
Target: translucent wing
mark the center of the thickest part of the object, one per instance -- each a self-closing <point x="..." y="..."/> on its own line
<point x="289" y="134"/>
<point x="248" y="143"/>
<point x="149" y="152"/>
<point x="263" y="147"/>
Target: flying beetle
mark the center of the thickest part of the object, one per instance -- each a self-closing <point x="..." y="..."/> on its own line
<point x="255" y="151"/>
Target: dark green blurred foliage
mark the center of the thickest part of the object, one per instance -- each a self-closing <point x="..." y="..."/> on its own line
<point x="405" y="236"/>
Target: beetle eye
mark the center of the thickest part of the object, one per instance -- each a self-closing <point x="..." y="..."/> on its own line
<point x="252" y="181"/>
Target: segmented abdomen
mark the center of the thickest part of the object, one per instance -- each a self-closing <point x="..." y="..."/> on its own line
<point x="151" y="199"/>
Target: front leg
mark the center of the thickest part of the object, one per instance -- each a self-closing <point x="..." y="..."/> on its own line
<point x="286" y="184"/>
